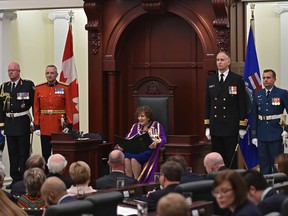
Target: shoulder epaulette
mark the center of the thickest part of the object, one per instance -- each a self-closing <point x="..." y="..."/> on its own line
<point x="63" y="83"/>
<point x="41" y="84"/>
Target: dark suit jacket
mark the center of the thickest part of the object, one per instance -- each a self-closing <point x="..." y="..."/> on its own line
<point x="272" y="202"/>
<point x="10" y="196"/>
<point x="109" y="181"/>
<point x="273" y="105"/>
<point x="247" y="208"/>
<point x="67" y="180"/>
<point x="154" y="197"/>
<point x="190" y="177"/>
<point x="226" y="105"/>
<point x="67" y="199"/>
<point x="21" y="99"/>
<point x="18" y="188"/>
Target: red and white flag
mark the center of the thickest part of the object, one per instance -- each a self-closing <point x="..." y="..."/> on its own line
<point x="69" y="76"/>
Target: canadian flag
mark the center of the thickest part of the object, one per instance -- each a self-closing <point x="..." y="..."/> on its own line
<point x="69" y="76"/>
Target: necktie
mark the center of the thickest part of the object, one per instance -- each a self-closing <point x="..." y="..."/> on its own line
<point x="221" y="78"/>
<point x="268" y="93"/>
<point x="13" y="87"/>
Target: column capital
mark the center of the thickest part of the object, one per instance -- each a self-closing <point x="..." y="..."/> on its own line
<point x="281" y="8"/>
<point x="59" y="14"/>
<point x="8" y="15"/>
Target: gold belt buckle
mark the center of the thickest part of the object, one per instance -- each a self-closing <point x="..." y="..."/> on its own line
<point x="50" y="112"/>
<point x="264" y="118"/>
<point x="11" y="115"/>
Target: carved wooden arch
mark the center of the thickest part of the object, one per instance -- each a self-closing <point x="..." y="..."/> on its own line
<point x="152" y="86"/>
<point x="197" y="22"/>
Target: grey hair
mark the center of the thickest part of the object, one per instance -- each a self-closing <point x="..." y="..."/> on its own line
<point x="56" y="163"/>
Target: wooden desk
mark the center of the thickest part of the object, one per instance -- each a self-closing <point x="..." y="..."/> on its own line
<point x="91" y="151"/>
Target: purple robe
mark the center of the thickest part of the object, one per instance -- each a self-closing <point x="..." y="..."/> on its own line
<point x="151" y="166"/>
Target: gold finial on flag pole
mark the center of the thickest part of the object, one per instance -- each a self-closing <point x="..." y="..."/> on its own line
<point x="252" y="7"/>
<point x="71" y="14"/>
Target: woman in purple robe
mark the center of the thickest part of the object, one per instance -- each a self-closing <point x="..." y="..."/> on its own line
<point x="142" y="166"/>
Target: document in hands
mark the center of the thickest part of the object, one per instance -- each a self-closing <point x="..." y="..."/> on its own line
<point x="135" y="145"/>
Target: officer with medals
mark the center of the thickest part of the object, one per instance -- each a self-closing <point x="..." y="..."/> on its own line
<point x="268" y="133"/>
<point x="16" y="98"/>
<point x="53" y="106"/>
<point x="226" y="110"/>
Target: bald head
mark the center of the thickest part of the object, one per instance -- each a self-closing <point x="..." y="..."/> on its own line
<point x="52" y="190"/>
<point x="56" y="163"/>
<point x="116" y="160"/>
<point x="213" y="161"/>
<point x="173" y="204"/>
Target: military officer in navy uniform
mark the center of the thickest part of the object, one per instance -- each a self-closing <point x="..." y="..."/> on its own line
<point x="267" y="132"/>
<point x="226" y="110"/>
<point x="16" y="98"/>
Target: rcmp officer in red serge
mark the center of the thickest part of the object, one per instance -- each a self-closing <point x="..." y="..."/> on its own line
<point x="52" y="106"/>
<point x="16" y="99"/>
<point x="226" y="110"/>
<point x="267" y="132"/>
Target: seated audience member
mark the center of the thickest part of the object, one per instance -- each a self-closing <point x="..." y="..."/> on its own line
<point x="170" y="177"/>
<point x="230" y="191"/>
<point x="56" y="165"/>
<point x="33" y="180"/>
<point x="117" y="165"/>
<point x="36" y="160"/>
<point x="213" y="161"/>
<point x="134" y="163"/>
<point x="2" y="176"/>
<point x="7" y="207"/>
<point x="266" y="198"/>
<point x="173" y="204"/>
<point x="53" y="191"/>
<point x="80" y="174"/>
<point x="187" y="175"/>
<point x="281" y="163"/>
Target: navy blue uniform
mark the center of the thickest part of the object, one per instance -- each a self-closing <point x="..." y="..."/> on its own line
<point x="226" y="113"/>
<point x="265" y="125"/>
<point x="15" y="121"/>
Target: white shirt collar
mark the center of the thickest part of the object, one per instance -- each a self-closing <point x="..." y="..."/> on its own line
<point x="265" y="193"/>
<point x="225" y="74"/>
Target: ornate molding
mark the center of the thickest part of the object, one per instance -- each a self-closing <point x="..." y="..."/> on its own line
<point x="153" y="5"/>
<point x="59" y="14"/>
<point x="281" y="8"/>
<point x="222" y="22"/>
<point x="8" y="15"/>
<point x="93" y="13"/>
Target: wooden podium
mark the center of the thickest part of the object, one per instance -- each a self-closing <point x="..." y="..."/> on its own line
<point x="92" y="151"/>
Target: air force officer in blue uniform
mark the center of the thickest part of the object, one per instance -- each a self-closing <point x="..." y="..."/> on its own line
<point x="267" y="133"/>
<point x="226" y="110"/>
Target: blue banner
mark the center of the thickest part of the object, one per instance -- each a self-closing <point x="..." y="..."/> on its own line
<point x="252" y="80"/>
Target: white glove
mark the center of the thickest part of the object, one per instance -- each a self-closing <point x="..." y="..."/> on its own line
<point x="242" y="133"/>
<point x="65" y="130"/>
<point x="2" y="132"/>
<point x="284" y="136"/>
<point x="37" y="132"/>
<point x="207" y="133"/>
<point x="255" y="142"/>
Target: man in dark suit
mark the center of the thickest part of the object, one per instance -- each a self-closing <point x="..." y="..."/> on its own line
<point x="117" y="165"/>
<point x="36" y="160"/>
<point x="267" y="132"/>
<point x="266" y="198"/>
<point x="56" y="165"/>
<point x="226" y="110"/>
<point x="16" y="98"/>
<point x="170" y="176"/>
<point x="188" y="175"/>
<point x="53" y="191"/>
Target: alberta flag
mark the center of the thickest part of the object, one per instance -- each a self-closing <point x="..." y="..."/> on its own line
<point x="69" y="76"/>
<point x="253" y="83"/>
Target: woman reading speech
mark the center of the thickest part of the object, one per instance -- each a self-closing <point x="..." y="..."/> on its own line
<point x="143" y="165"/>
